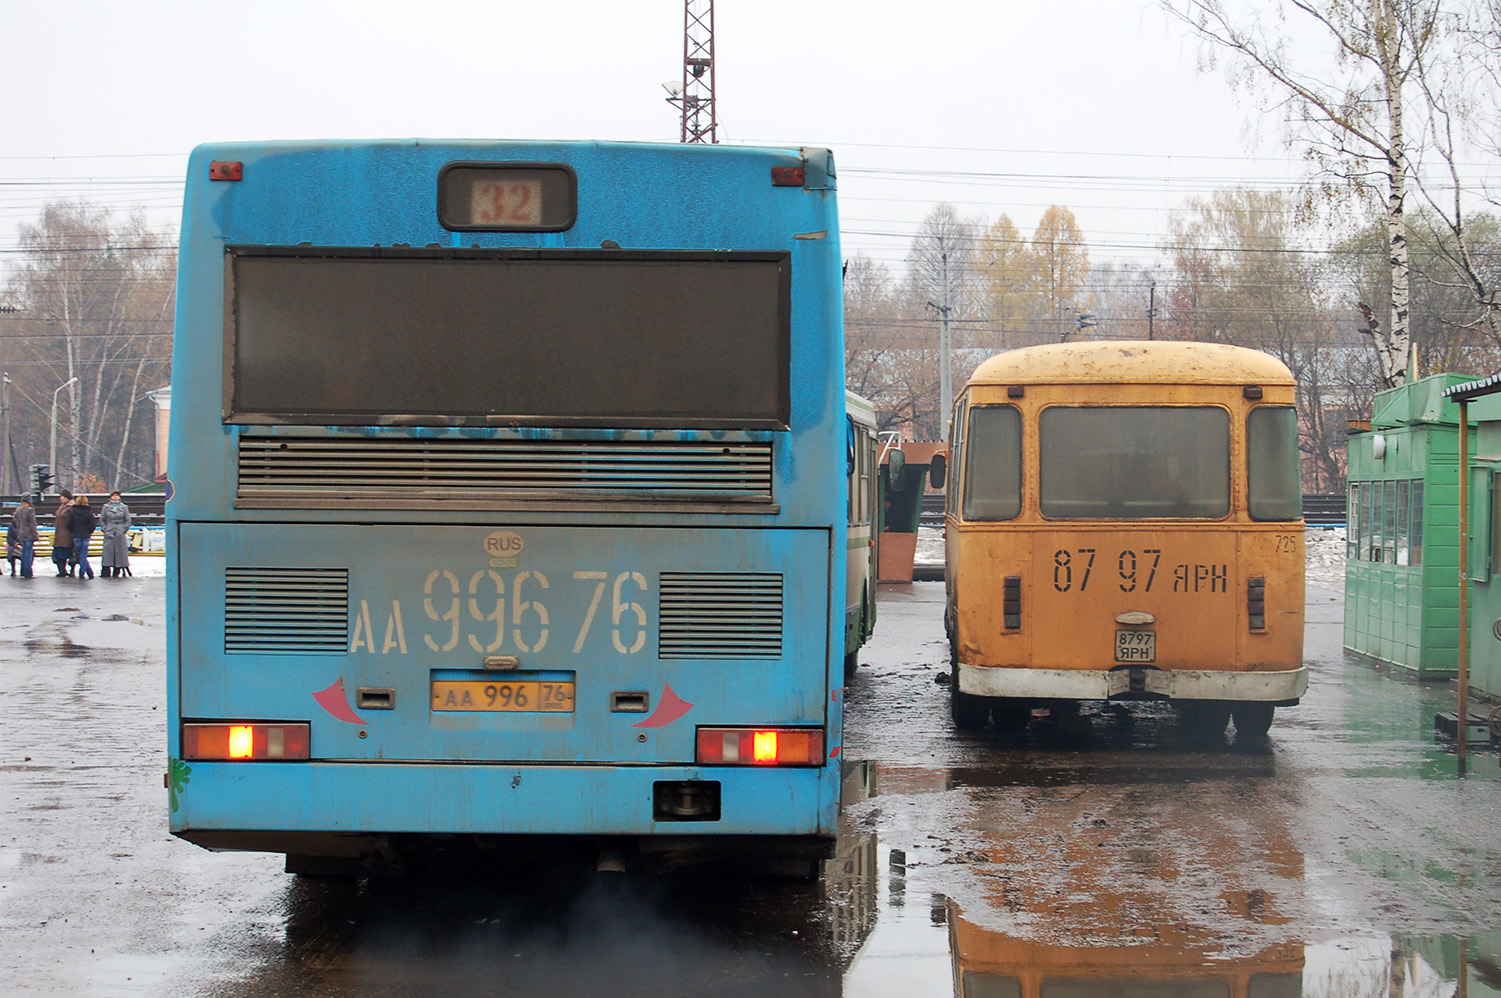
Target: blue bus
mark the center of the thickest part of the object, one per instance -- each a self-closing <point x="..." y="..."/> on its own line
<point x="508" y="498"/>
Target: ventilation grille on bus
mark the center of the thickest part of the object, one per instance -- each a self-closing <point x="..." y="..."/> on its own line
<point x="286" y="611"/>
<point x="405" y="472"/>
<point x="720" y="615"/>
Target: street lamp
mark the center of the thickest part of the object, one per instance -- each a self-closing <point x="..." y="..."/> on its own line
<point x="52" y="451"/>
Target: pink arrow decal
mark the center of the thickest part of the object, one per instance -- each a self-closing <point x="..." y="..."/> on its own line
<point x="669" y="709"/>
<point x="336" y="702"/>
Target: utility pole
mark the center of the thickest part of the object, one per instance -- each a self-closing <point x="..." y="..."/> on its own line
<point x="5" y="483"/>
<point x="945" y="346"/>
<point x="695" y="97"/>
<point x="1151" y="309"/>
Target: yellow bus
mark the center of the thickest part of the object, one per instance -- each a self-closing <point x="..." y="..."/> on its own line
<point x="1124" y="522"/>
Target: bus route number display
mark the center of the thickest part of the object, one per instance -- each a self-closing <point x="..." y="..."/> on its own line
<point x="507" y="197"/>
<point x="506" y="202"/>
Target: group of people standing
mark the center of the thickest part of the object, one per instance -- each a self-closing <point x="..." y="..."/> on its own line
<point x="73" y="525"/>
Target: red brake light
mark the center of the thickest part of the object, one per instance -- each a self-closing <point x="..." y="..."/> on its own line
<point x="222" y="169"/>
<point x="760" y="746"/>
<point x="253" y="742"/>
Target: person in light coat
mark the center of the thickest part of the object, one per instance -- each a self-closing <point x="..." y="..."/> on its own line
<point x="114" y="524"/>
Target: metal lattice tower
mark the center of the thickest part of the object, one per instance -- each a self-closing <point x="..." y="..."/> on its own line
<point x="696" y="99"/>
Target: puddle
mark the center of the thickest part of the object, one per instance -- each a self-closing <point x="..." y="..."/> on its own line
<point x="1164" y="962"/>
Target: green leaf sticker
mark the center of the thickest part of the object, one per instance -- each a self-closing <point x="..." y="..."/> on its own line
<point x="177" y="781"/>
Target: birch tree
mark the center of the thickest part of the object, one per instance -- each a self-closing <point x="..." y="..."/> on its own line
<point x="1351" y="112"/>
<point x="94" y="297"/>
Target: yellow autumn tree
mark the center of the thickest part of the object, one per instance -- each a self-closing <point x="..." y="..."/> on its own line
<point x="1062" y="261"/>
<point x="1009" y="272"/>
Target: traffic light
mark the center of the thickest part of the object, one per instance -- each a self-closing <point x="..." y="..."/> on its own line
<point x="41" y="478"/>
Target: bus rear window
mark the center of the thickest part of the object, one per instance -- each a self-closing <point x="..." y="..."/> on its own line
<point x="993" y="452"/>
<point x="340" y="336"/>
<point x="1272" y="463"/>
<point x="1135" y="462"/>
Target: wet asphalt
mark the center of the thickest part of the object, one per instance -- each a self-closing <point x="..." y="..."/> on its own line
<point x="1103" y="853"/>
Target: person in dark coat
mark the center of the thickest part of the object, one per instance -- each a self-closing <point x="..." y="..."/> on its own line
<point x="114" y="524"/>
<point x="24" y="524"/>
<point x="81" y="525"/>
<point x="62" y="540"/>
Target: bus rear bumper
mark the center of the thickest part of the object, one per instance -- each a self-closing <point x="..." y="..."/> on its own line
<point x="1133" y="682"/>
<point x="326" y="807"/>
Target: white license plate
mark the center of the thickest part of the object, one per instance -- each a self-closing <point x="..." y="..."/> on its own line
<point x="1136" y="646"/>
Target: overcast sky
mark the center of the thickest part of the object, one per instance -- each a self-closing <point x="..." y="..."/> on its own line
<point x="1095" y="104"/>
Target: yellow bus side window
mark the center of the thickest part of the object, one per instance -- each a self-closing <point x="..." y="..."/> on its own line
<point x="993" y="455"/>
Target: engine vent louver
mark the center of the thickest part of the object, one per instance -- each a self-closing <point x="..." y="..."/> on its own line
<point x="720" y="615"/>
<point x="286" y="611"/>
<point x="409" y="472"/>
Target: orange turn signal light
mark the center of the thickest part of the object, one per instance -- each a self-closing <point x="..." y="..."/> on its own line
<point x="251" y="742"/>
<point x="760" y="746"/>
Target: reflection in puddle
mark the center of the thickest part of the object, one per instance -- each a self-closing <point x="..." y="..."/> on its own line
<point x="1144" y="887"/>
<point x="989" y="964"/>
<point x="993" y="965"/>
<point x="1077" y="899"/>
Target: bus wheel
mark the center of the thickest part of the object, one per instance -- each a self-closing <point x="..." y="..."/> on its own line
<point x="1010" y="714"/>
<point x="968" y="710"/>
<point x="1252" y="718"/>
<point x="851" y="663"/>
<point x="1206" y="718"/>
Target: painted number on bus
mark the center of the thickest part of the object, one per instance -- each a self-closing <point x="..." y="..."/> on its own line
<point x="1136" y="570"/>
<point x="472" y="612"/>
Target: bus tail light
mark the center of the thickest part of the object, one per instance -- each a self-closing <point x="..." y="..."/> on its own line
<point x="250" y="742"/>
<point x="1256" y="602"/>
<point x="1011" y="593"/>
<point x="760" y="746"/>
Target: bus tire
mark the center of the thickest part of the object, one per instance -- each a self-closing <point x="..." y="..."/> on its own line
<point x="1252" y="718"/>
<point x="1010" y="714"/>
<point x="1204" y="718"/>
<point x="968" y="711"/>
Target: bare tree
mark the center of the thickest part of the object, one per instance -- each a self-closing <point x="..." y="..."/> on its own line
<point x="939" y="262"/>
<point x="1462" y="97"/>
<point x="1122" y="295"/>
<point x="1355" y="126"/>
<point x="94" y="297"/>
<point x="1252" y="286"/>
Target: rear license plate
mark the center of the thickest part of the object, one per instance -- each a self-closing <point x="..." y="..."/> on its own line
<point x="1136" y="646"/>
<point x="526" y="697"/>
